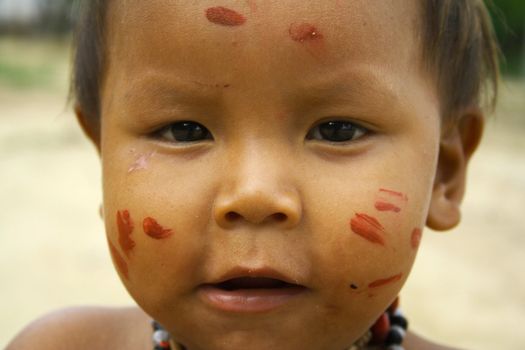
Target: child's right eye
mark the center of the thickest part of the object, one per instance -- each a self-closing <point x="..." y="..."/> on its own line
<point x="185" y="131"/>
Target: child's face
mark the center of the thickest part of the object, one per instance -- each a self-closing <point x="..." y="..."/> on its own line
<point x="293" y="141"/>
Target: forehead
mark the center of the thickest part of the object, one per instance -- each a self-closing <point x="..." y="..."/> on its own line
<point x="216" y="40"/>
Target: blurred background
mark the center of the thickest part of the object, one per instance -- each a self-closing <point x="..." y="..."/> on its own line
<point x="467" y="287"/>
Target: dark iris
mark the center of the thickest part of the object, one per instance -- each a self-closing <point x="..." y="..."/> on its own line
<point x="337" y="131"/>
<point x="188" y="132"/>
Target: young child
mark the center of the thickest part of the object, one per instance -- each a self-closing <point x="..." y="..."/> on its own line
<point x="269" y="166"/>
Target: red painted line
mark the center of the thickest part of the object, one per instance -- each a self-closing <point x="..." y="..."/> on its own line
<point x="368" y="228"/>
<point x="154" y="230"/>
<point x="394" y="193"/>
<point x="119" y="261"/>
<point x="385" y="281"/>
<point x="415" y="239"/>
<point x="125" y="229"/>
<point x="385" y="206"/>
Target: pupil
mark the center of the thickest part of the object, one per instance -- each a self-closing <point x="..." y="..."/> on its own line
<point x="188" y="131"/>
<point x="337" y="131"/>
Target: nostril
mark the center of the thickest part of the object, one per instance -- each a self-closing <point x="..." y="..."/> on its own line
<point x="232" y="216"/>
<point x="280" y="217"/>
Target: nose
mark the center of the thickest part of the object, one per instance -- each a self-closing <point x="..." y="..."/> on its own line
<point x="257" y="190"/>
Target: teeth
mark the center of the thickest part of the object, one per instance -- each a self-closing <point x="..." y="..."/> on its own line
<point x="253" y="283"/>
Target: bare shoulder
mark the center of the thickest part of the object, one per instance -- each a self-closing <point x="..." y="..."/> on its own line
<point x="415" y="342"/>
<point x="86" y="328"/>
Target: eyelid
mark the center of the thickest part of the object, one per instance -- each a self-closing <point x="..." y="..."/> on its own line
<point x="160" y="133"/>
<point x="366" y="130"/>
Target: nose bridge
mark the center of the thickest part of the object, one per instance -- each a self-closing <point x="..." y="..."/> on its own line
<point x="258" y="186"/>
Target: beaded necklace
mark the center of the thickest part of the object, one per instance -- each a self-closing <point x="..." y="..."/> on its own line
<point x="388" y="331"/>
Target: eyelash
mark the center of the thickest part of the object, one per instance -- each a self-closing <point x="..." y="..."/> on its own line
<point x="339" y="131"/>
<point x="185" y="131"/>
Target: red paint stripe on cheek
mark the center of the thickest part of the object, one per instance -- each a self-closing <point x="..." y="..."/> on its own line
<point x="385" y="281"/>
<point x="368" y="228"/>
<point x="394" y="193"/>
<point x="119" y="261"/>
<point x="415" y="240"/>
<point x="224" y="16"/>
<point x="154" y="230"/>
<point x="385" y="206"/>
<point x="125" y="229"/>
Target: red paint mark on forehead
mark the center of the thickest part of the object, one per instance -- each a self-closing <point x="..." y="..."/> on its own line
<point x="394" y="193"/>
<point x="304" y="32"/>
<point x="153" y="229"/>
<point x="415" y="239"/>
<point x="125" y="229"/>
<point x="224" y="16"/>
<point x="385" y="206"/>
<point x="119" y="261"/>
<point x="367" y="227"/>
<point x="385" y="281"/>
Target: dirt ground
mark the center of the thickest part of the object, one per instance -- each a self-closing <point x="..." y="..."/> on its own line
<point x="467" y="287"/>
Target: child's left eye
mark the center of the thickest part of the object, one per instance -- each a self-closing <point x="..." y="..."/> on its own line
<point x="336" y="131"/>
<point x="185" y="131"/>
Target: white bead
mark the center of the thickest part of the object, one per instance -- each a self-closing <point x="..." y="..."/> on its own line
<point x="398" y="329"/>
<point x="398" y="312"/>
<point x="160" y="336"/>
<point x="395" y="347"/>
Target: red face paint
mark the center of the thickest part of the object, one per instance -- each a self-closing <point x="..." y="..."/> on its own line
<point x="368" y="228"/>
<point x="385" y="206"/>
<point x="385" y="281"/>
<point x="224" y="16"/>
<point x="119" y="261"/>
<point x="416" y="238"/>
<point x="304" y="32"/>
<point x="154" y="230"/>
<point x="125" y="228"/>
<point x="394" y="193"/>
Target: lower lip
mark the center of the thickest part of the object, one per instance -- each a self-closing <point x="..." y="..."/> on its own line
<point x="249" y="300"/>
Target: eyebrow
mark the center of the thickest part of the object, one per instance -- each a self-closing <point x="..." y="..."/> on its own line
<point x="173" y="88"/>
<point x="350" y="84"/>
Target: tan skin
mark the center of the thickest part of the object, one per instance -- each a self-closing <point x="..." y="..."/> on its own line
<point x="264" y="187"/>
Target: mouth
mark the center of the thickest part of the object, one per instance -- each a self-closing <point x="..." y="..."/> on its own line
<point x="250" y="294"/>
<point x="250" y="283"/>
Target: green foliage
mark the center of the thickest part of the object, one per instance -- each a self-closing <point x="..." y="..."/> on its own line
<point x="27" y="63"/>
<point x="509" y="23"/>
<point x="21" y="76"/>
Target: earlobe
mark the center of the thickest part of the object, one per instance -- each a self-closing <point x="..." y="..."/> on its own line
<point x="457" y="145"/>
<point x="89" y="125"/>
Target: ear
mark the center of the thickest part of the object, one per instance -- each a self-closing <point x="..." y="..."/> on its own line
<point x="458" y="143"/>
<point x="90" y="126"/>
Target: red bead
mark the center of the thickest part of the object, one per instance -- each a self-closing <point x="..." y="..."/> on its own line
<point x="380" y="329"/>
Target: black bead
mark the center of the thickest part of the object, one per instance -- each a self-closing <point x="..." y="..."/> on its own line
<point x="399" y="321"/>
<point x="394" y="338"/>
<point x="156" y="325"/>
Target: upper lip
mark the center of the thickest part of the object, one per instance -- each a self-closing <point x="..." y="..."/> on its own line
<point x="259" y="272"/>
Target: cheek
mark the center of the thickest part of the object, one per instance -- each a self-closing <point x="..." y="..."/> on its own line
<point x="154" y="223"/>
<point x="373" y="242"/>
